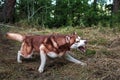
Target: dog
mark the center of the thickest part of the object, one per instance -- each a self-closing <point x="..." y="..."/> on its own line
<point x="54" y="45"/>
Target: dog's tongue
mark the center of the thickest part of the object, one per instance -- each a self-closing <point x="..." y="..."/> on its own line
<point x="81" y="48"/>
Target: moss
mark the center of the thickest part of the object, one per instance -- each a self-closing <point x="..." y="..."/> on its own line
<point x="90" y="52"/>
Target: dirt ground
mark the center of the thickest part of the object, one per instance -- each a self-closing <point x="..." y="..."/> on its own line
<point x="103" y="63"/>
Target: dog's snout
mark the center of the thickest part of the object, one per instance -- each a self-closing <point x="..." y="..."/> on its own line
<point x="85" y="41"/>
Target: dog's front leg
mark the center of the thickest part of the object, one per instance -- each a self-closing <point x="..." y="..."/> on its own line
<point x="43" y="61"/>
<point x="72" y="59"/>
<point x="19" y="57"/>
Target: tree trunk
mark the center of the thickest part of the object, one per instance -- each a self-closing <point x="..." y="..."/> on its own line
<point x="116" y="6"/>
<point x="95" y="5"/>
<point x="8" y="11"/>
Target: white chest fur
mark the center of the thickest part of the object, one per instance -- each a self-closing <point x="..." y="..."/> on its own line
<point x="54" y="55"/>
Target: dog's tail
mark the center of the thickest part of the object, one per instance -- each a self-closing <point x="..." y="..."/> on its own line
<point x="15" y="36"/>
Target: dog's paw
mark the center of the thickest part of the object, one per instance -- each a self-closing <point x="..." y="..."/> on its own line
<point x="40" y="70"/>
<point x="83" y="64"/>
<point x="19" y="61"/>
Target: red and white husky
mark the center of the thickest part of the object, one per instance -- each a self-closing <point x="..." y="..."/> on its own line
<point x="54" y="45"/>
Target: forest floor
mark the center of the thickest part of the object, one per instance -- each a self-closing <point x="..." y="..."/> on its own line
<point x="102" y="57"/>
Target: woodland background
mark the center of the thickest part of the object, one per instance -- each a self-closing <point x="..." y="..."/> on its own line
<point x="97" y="21"/>
<point x="57" y="13"/>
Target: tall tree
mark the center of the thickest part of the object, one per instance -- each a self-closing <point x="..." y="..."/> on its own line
<point x="60" y="12"/>
<point x="8" y="11"/>
<point x="116" y="6"/>
<point x="95" y="4"/>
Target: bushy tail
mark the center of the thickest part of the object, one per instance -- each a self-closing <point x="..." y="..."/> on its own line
<point x="15" y="36"/>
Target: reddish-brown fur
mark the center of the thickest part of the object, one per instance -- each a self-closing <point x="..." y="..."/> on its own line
<point x="33" y="42"/>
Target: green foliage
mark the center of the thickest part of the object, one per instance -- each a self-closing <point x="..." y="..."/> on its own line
<point x="57" y="13"/>
<point x="115" y="19"/>
<point x="90" y="52"/>
<point x="4" y="29"/>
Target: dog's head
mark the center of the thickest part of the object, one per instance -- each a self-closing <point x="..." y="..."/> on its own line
<point x="77" y="42"/>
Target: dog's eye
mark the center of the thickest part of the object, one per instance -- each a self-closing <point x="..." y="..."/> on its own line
<point x="77" y="41"/>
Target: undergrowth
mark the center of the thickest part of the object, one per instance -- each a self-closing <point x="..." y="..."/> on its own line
<point x="102" y="56"/>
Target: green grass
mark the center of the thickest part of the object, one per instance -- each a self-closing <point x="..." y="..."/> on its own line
<point x="103" y="63"/>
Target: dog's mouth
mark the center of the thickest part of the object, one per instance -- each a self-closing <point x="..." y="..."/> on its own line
<point x="82" y="48"/>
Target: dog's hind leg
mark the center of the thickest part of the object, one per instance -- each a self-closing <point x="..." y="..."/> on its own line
<point x="72" y="59"/>
<point x="43" y="61"/>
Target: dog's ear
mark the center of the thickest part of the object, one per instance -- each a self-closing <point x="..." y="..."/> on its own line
<point x="67" y="38"/>
<point x="74" y="33"/>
